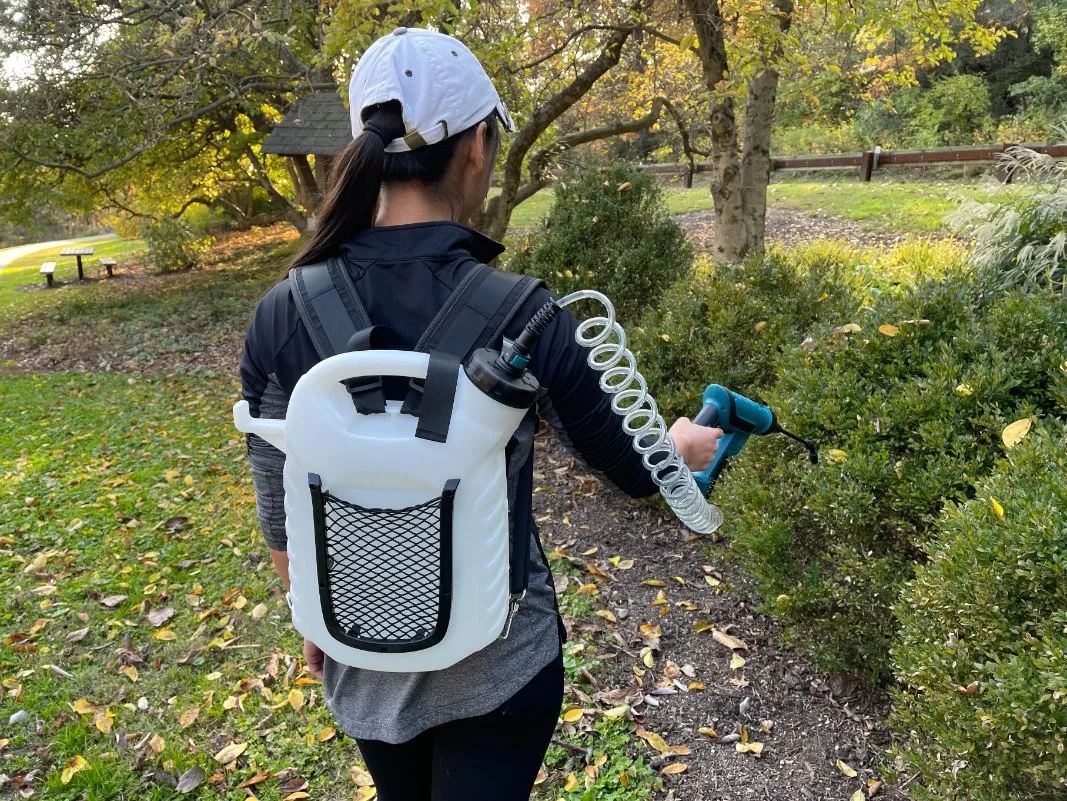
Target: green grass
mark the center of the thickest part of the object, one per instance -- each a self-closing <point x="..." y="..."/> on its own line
<point x="901" y="206"/>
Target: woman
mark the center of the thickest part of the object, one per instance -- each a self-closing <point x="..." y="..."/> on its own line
<point x="425" y="120"/>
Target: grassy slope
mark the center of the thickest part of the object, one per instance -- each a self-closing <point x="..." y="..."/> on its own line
<point x="115" y="485"/>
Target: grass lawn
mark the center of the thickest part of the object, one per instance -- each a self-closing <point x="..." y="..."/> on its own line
<point x="145" y="635"/>
<point x="904" y="206"/>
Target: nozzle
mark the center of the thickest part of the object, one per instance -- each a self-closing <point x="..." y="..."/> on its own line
<point x="813" y="452"/>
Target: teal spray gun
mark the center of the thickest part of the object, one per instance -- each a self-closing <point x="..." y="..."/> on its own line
<point x="739" y="418"/>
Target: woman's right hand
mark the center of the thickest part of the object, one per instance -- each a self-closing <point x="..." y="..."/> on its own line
<point x="696" y="443"/>
<point x="314" y="656"/>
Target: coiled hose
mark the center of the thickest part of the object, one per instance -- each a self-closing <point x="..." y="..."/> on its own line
<point x="641" y="419"/>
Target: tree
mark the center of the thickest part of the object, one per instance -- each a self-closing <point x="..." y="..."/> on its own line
<point x="746" y="48"/>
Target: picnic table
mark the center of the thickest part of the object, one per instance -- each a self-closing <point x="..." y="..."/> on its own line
<point x="78" y="252"/>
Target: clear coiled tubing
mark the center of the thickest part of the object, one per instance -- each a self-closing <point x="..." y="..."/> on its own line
<point x="641" y="419"/>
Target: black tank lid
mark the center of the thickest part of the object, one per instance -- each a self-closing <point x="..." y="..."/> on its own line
<point x="485" y="372"/>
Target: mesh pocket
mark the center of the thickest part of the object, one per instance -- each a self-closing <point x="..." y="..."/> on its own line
<point x="385" y="575"/>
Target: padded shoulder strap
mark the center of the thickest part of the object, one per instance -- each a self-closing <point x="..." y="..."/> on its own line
<point x="328" y="304"/>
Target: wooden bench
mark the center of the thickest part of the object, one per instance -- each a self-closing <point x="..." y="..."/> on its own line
<point x="48" y="269"/>
<point x="109" y="265"/>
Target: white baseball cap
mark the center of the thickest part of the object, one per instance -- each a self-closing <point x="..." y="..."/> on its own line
<point x="440" y="85"/>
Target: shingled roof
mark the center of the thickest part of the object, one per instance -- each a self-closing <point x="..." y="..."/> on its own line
<point x="317" y="125"/>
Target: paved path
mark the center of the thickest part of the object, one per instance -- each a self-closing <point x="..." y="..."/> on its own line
<point x="9" y="255"/>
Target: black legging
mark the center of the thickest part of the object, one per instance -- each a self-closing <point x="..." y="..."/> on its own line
<point x="492" y="757"/>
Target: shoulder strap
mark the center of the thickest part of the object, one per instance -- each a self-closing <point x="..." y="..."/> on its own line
<point x="328" y="304"/>
<point x="474" y="316"/>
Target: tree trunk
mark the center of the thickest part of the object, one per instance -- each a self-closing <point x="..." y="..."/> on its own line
<point x="739" y="177"/>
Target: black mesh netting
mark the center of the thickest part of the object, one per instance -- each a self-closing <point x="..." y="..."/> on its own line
<point x="384" y="569"/>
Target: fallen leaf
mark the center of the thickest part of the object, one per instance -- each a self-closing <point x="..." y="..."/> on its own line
<point x="75" y="765"/>
<point x="165" y="634"/>
<point x="848" y="328"/>
<point x="679" y="579"/>
<point x="728" y="640"/>
<point x="737" y="662"/>
<point x="83" y="706"/>
<point x="998" y="510"/>
<point x="650" y="631"/>
<point x="714" y="582"/>
<point x="759" y="326"/>
<point x="104" y="719"/>
<point x="296" y="796"/>
<point x="653" y="739"/>
<point x="360" y="776"/>
<point x="617" y="712"/>
<point x="703" y="625"/>
<point x="625" y="186"/>
<point x="681" y="750"/>
<point x="570" y="784"/>
<point x="157" y="743"/>
<point x="846" y="769"/>
<point x="750" y="748"/>
<point x="259" y="611"/>
<point x="78" y="636"/>
<point x="604" y="613"/>
<point x="157" y="617"/>
<point x="739" y="681"/>
<point x="1016" y="432"/>
<point x="327" y="734"/>
<point x="888" y="330"/>
<point x="653" y="583"/>
<point x="188" y="717"/>
<point x="697" y="686"/>
<point x="365" y="793"/>
<point x="573" y="715"/>
<point x="625" y="564"/>
<point x="708" y="732"/>
<point x="191" y="779"/>
<point x="675" y="767"/>
<point x="230" y="753"/>
<point x="296" y="698"/>
<point x="130" y="672"/>
<point x="542" y="776"/>
<point x="112" y="601"/>
<point x="859" y="795"/>
<point x="647" y="658"/>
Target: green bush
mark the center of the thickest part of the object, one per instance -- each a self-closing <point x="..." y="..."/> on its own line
<point x="982" y="652"/>
<point x="905" y="416"/>
<point x="728" y="324"/>
<point x="610" y="231"/>
<point x="174" y="244"/>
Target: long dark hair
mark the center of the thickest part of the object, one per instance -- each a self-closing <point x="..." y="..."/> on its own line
<point x="361" y="169"/>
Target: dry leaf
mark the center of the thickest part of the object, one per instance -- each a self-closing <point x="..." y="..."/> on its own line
<point x="259" y="611"/>
<point x="327" y="734"/>
<point x="296" y="796"/>
<point x="708" y="732"/>
<point x="653" y="583"/>
<point x="653" y="739"/>
<point x="703" y="625"/>
<point x="998" y="510"/>
<point x="604" y="613"/>
<point x="78" y="636"/>
<point x="647" y="658"/>
<point x="113" y="600"/>
<point x="157" y="743"/>
<point x="675" y="767"/>
<point x="848" y="328"/>
<point x="714" y="582"/>
<point x="750" y="748"/>
<point x="697" y="686"/>
<point x="296" y="698"/>
<point x="625" y="564"/>
<point x="188" y="717"/>
<point x="650" y="630"/>
<point x="165" y="634"/>
<point x="858" y="796"/>
<point x="573" y="714"/>
<point x="230" y="753"/>
<point x="75" y="765"/>
<point x="365" y="793"/>
<point x="1016" y="432"/>
<point x="728" y="640"/>
<point x="846" y="769"/>
<point x="625" y="186"/>
<point x="130" y="672"/>
<point x="617" y="711"/>
<point x="157" y="617"/>
<point x="737" y="662"/>
<point x="679" y="579"/>
<point x="570" y="784"/>
<point x="83" y="706"/>
<point x="542" y="776"/>
<point x="888" y="330"/>
<point x="681" y="750"/>
<point x="104" y="719"/>
<point x="190" y="780"/>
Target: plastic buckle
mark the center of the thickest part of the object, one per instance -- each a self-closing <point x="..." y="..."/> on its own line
<point x="418" y="384"/>
<point x="289" y="601"/>
<point x="513" y="609"/>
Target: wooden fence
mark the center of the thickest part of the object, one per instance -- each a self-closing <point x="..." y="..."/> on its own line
<point x="867" y="162"/>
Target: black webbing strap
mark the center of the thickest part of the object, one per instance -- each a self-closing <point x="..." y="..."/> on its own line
<point x="435" y="415"/>
<point x="474" y="315"/>
<point x="331" y="309"/>
<point x="367" y="392"/>
<point x="520" y="551"/>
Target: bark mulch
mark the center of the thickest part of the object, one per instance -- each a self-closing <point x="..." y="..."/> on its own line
<point x="806" y="721"/>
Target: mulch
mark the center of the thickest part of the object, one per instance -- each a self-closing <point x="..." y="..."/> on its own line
<point x="806" y="720"/>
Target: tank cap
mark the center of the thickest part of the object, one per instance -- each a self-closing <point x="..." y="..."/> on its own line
<point x="400" y="31"/>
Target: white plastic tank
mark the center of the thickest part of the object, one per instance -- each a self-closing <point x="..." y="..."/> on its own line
<point x="375" y="462"/>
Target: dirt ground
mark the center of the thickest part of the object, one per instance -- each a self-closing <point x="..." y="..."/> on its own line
<point x="806" y="721"/>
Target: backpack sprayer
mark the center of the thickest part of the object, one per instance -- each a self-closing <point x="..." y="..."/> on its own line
<point x="401" y="555"/>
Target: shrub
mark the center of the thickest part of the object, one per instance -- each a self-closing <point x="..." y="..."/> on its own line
<point x="904" y="419"/>
<point x="953" y="111"/>
<point x="174" y="244"/>
<point x="610" y="231"/>
<point x="982" y="652"/>
<point x="727" y="325"/>
<point x="1023" y="242"/>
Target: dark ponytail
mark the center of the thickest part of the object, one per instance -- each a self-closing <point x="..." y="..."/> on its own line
<point x="357" y="178"/>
